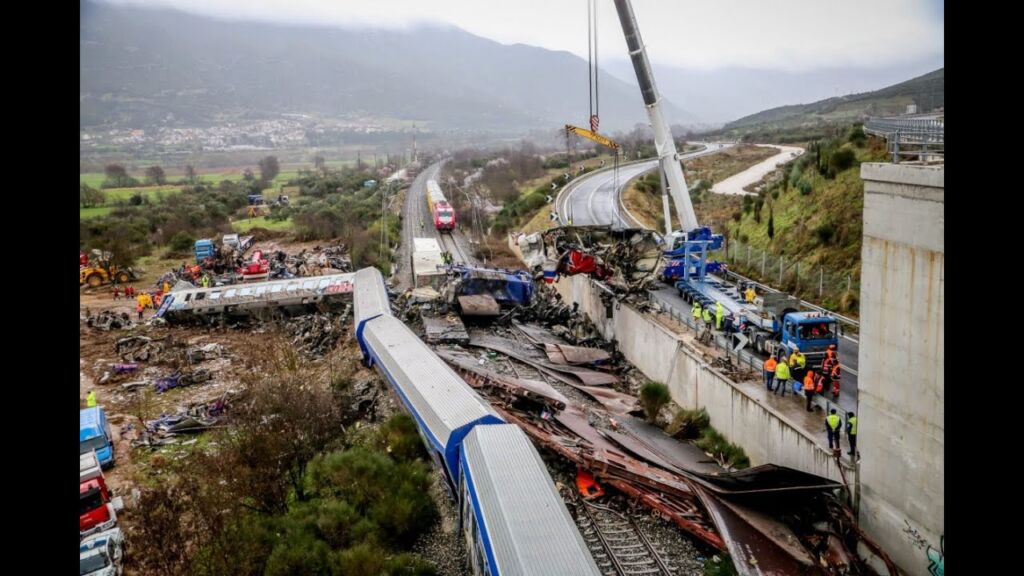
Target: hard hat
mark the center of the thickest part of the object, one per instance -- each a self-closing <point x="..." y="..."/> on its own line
<point x="831" y="346"/>
<point x="796" y="348"/>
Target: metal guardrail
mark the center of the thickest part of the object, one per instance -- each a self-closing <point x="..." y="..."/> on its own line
<point x="925" y="136"/>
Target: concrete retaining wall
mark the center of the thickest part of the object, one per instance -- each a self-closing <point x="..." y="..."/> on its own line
<point x="901" y="392"/>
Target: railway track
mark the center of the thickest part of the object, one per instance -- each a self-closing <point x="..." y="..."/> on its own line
<point x="618" y="545"/>
<point x="449" y="244"/>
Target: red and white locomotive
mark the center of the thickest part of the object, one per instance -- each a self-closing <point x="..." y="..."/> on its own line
<point x="440" y="210"/>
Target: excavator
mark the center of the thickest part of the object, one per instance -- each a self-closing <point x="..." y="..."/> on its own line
<point x="102" y="271"/>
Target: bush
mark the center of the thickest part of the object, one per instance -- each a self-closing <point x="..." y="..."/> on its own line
<point x="688" y="423"/>
<point x="182" y="242"/>
<point x="726" y="453"/>
<point x="654" y="396"/>
<point x="135" y="199"/>
<point x="841" y="160"/>
<point x="804" y="187"/>
<point x="825" y="232"/>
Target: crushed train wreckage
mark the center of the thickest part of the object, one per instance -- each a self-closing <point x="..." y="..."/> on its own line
<point x="626" y="259"/>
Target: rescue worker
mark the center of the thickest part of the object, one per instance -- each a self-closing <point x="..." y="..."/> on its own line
<point x="719" y="314"/>
<point x="809" y="385"/>
<point x="781" y="376"/>
<point x="851" y="433"/>
<point x="117" y="292"/>
<point x="835" y="376"/>
<point x="156" y="300"/>
<point x="139" y="308"/>
<point x="706" y="316"/>
<point x="832" y="422"/>
<point x="167" y="287"/>
<point x="769" y="371"/>
<point x="798" y="362"/>
<point x="90" y="399"/>
<point x="751" y="294"/>
<point x="696" y="311"/>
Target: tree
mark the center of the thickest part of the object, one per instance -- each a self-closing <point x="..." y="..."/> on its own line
<point x="771" y="224"/>
<point x="247" y="175"/>
<point x="155" y="175"/>
<point x="89" y="196"/>
<point x="269" y="168"/>
<point x="117" y="177"/>
<point x="653" y="396"/>
<point x="190" y="175"/>
<point x="320" y="164"/>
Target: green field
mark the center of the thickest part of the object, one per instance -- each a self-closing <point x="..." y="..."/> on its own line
<point x="262" y="222"/>
<point x="95" y="212"/>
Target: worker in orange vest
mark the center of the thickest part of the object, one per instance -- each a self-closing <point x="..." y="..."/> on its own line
<point x="835" y="376"/>
<point x="809" y="385"/>
<point x="769" y="371"/>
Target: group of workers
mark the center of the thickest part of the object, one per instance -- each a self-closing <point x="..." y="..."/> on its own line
<point x="779" y="371"/>
<point x="143" y="300"/>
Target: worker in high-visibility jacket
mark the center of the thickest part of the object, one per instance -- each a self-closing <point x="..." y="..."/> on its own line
<point x="769" y="371"/>
<point x="809" y="384"/>
<point x="832" y="427"/>
<point x="719" y="314"/>
<point x="836" y="375"/>
<point x="90" y="399"/>
<point x="706" y="316"/>
<point x="781" y="376"/>
<point x="696" y="311"/>
<point x="798" y="363"/>
<point x="751" y="294"/>
<point x="851" y="433"/>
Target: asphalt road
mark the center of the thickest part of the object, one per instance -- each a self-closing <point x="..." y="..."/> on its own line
<point x="594" y="200"/>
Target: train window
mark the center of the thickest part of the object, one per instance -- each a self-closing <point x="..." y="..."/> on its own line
<point x="277" y="287"/>
<point x="308" y="284"/>
<point x="231" y="293"/>
<point x="245" y="292"/>
<point x="292" y="286"/>
<point x="261" y="290"/>
<point x="215" y="295"/>
<point x="200" y="295"/>
<point x="188" y="297"/>
<point x="324" y="283"/>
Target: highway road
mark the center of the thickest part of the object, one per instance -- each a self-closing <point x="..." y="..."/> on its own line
<point x="594" y="199"/>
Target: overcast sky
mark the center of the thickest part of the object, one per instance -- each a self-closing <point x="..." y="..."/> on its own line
<point x="791" y="35"/>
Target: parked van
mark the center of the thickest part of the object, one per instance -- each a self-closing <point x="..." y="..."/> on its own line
<point x="94" y="434"/>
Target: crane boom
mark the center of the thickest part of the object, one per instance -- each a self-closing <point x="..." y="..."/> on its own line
<point x="668" y="158"/>
<point x="589" y="135"/>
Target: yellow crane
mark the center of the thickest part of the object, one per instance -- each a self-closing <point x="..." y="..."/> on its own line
<point x="589" y="135"/>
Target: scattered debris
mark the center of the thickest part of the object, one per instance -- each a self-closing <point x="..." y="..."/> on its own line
<point x="314" y="335"/>
<point x="109" y="320"/>
<point x="444" y="329"/>
<point x="180" y="378"/>
<point x="139" y="348"/>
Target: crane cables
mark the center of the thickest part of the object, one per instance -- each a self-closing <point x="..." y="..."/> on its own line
<point x="592" y="70"/>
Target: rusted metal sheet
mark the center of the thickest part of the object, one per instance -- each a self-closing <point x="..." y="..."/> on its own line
<point x="765" y="479"/>
<point x="575" y="355"/>
<point x="537" y="334"/>
<point x="680" y="455"/>
<point x="614" y="401"/>
<point x="503" y="346"/>
<point x="477" y="377"/>
<point x="754" y="552"/>
<point x="447" y="328"/>
<point x="479" y="305"/>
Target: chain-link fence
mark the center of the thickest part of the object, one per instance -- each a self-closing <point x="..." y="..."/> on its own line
<point x="838" y="292"/>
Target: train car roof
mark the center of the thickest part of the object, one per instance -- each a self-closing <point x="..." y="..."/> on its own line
<point x="370" y="297"/>
<point x="519" y="510"/>
<point x="445" y="407"/>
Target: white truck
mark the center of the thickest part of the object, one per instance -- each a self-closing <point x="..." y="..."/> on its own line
<point x="427" y="264"/>
<point x="101" y="554"/>
<point x="240" y="244"/>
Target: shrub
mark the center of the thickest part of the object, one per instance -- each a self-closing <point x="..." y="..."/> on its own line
<point x="182" y="242"/>
<point x="654" y="396"/>
<point x="841" y="160"/>
<point x="825" y="232"/>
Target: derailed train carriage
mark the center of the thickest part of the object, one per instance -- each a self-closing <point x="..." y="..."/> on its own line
<point x="259" y="300"/>
<point x="510" y="513"/>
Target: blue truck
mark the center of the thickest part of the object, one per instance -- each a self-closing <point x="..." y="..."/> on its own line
<point x="774" y="326"/>
<point x="204" y="249"/>
<point x="94" y="434"/>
